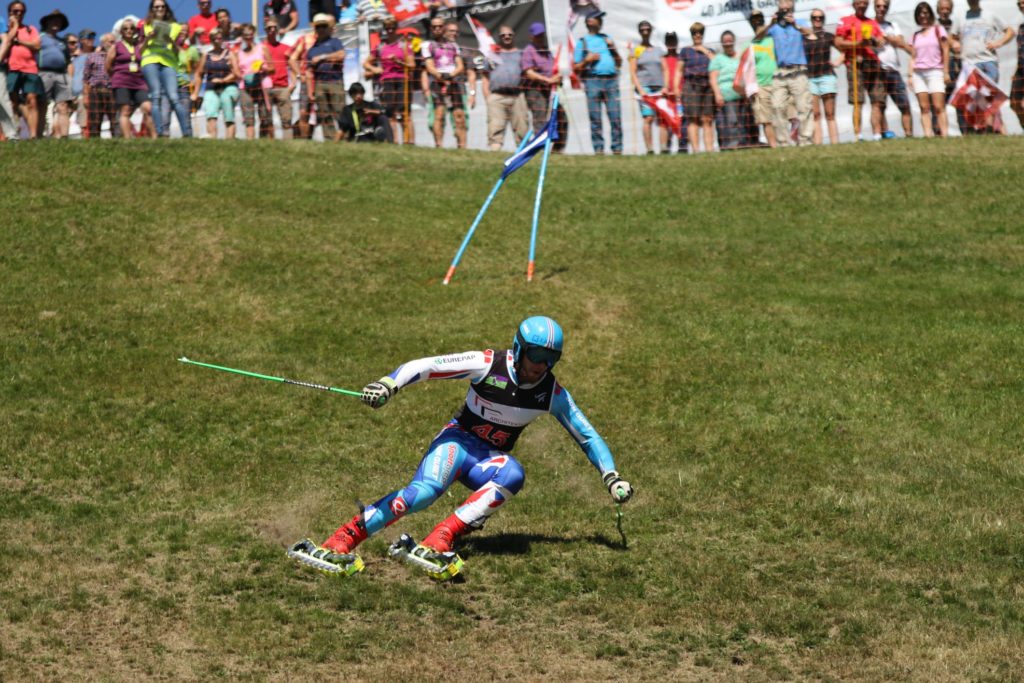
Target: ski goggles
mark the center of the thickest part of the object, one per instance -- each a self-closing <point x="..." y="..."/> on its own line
<point x="541" y="354"/>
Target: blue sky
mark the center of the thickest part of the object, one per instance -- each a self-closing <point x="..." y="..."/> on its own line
<point x="100" y="15"/>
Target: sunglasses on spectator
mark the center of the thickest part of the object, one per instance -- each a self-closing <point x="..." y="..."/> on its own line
<point x="813" y="18"/>
<point x="507" y="35"/>
<point x="17" y="11"/>
<point x="696" y="33"/>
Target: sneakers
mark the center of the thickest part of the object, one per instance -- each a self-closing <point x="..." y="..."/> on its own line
<point x="348" y="536"/>
<point x="888" y="135"/>
<point x="325" y="560"/>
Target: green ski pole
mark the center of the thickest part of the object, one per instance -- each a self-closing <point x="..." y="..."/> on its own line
<point x="618" y="524"/>
<point x="311" y="385"/>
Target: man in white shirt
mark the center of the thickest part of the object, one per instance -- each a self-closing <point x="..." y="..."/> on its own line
<point x="888" y="57"/>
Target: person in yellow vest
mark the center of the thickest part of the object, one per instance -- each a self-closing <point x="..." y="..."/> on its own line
<point x="162" y="38"/>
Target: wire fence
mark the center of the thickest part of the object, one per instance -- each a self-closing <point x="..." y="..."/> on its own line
<point x="682" y="110"/>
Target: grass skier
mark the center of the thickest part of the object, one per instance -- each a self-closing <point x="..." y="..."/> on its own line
<point x="508" y="390"/>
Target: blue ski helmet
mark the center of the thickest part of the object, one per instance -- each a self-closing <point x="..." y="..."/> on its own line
<point x="540" y="338"/>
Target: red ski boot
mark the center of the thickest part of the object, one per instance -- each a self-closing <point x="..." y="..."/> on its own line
<point x="444" y="535"/>
<point x="348" y="536"/>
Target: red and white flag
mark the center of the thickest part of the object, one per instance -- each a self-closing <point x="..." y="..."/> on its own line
<point x="668" y="115"/>
<point x="978" y="97"/>
<point x="574" y="80"/>
<point x="745" y="82"/>
<point x="407" y="11"/>
<point x="488" y="48"/>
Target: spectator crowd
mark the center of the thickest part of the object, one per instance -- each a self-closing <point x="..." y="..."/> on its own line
<point x="777" y="89"/>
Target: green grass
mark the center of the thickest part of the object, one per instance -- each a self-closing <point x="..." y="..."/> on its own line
<point x="807" y="362"/>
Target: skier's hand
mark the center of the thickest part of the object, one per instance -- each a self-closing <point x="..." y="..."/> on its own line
<point x="377" y="394"/>
<point x="617" y="486"/>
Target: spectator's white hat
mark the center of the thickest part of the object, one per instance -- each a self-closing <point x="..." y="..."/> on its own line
<point x="323" y="18"/>
<point x="131" y="18"/>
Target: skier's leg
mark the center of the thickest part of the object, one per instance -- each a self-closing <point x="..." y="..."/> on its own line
<point x="494" y="480"/>
<point x="440" y="467"/>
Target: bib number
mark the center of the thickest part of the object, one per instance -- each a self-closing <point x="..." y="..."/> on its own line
<point x="491" y="435"/>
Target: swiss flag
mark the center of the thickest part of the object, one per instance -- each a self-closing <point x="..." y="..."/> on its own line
<point x="668" y="115"/>
<point x="488" y="48"/>
<point x="745" y="82"/>
<point x="978" y="97"/>
<point x="407" y="11"/>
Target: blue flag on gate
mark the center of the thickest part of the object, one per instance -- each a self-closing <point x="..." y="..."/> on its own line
<point x="550" y="132"/>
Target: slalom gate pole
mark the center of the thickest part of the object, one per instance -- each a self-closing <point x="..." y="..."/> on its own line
<point x="479" y="217"/>
<point x="540" y="194"/>
<point x="311" y="385"/>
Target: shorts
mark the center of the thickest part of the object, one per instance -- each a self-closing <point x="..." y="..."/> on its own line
<point x="394" y="98"/>
<point x="896" y="89"/>
<point x="990" y="69"/>
<point x="698" y="100"/>
<point x="1017" y="89"/>
<point x="56" y="86"/>
<point x="217" y="101"/>
<point x="21" y="83"/>
<point x="127" y="97"/>
<point x="251" y="100"/>
<point x="282" y="99"/>
<point x="870" y="83"/>
<point x="823" y="85"/>
<point x="928" y="81"/>
<point x="763" y="112"/>
<point x="646" y="110"/>
<point x="447" y="94"/>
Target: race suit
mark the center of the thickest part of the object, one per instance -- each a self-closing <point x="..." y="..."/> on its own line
<point x="473" y="448"/>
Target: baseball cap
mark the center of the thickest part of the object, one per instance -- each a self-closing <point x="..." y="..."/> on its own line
<point x="595" y="14"/>
<point x="537" y="28"/>
<point x="87" y="34"/>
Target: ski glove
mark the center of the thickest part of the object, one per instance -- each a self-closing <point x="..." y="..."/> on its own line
<point x="617" y="486"/>
<point x="377" y="394"/>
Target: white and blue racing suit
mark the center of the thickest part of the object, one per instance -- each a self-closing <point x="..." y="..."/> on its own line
<point x="473" y="447"/>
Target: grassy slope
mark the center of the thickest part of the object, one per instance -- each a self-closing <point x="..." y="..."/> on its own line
<point x="807" y="362"/>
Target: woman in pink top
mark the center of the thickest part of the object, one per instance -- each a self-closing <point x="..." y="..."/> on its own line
<point x="252" y="64"/>
<point x="23" y="81"/>
<point x="393" y="62"/>
<point x="929" y="69"/>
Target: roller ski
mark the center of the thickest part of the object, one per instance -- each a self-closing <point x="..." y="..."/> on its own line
<point x="437" y="565"/>
<point x="326" y="560"/>
<point x="336" y="556"/>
